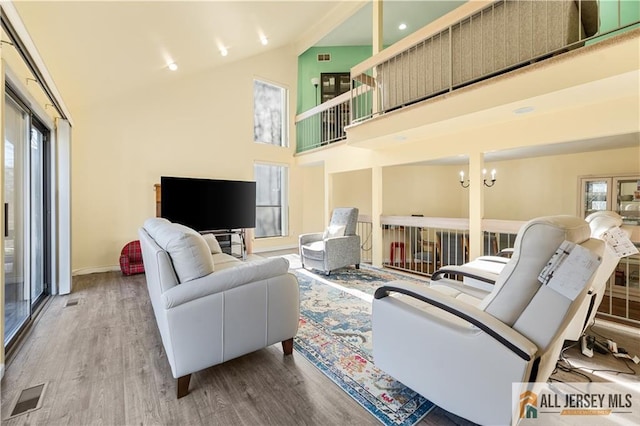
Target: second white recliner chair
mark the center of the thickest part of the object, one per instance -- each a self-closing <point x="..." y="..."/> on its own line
<point x="482" y="273"/>
<point x="465" y="357"/>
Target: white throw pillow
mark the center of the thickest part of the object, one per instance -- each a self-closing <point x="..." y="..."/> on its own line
<point x="213" y="243"/>
<point x="333" y="231"/>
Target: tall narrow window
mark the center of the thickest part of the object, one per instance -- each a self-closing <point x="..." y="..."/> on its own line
<point x="270" y="117"/>
<point x="271" y="200"/>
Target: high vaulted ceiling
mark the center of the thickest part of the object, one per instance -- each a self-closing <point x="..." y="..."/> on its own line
<point x="100" y="49"/>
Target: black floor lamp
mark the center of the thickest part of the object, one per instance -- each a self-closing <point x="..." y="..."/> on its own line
<point x="315" y="81"/>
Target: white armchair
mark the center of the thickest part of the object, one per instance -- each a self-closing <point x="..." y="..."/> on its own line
<point x="338" y="246"/>
<point x="465" y="357"/>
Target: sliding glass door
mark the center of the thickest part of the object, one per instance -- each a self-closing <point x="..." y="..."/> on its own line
<point x="25" y="224"/>
<point x="17" y="293"/>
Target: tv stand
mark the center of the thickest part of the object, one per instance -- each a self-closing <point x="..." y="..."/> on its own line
<point x="226" y="241"/>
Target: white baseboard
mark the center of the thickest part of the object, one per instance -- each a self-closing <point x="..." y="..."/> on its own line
<point x="85" y="271"/>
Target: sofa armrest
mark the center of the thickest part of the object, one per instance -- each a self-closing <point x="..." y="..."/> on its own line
<point x="502" y="333"/>
<point x="310" y="238"/>
<point x="226" y="279"/>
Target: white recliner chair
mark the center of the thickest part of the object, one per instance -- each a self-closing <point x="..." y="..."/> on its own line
<point x="481" y="274"/>
<point x="464" y="357"/>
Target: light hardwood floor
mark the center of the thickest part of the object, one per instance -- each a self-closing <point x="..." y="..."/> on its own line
<point x="103" y="363"/>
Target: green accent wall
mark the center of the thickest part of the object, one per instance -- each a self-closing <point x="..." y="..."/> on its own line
<point x="342" y="59"/>
<point x="629" y="12"/>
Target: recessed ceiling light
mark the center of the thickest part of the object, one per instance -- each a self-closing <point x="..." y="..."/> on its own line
<point x="223" y="51"/>
<point x="264" y="40"/>
<point x="402" y="26"/>
<point x="173" y="66"/>
<point x="524" y="110"/>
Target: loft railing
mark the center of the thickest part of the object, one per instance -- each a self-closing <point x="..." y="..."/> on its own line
<point x="323" y="124"/>
<point x="422" y="245"/>
<point x="622" y="298"/>
<point x="478" y="40"/>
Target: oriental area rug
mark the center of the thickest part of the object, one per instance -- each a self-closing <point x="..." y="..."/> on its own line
<point x="335" y="336"/>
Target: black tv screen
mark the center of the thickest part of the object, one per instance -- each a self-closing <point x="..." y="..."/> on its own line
<point x="208" y="204"/>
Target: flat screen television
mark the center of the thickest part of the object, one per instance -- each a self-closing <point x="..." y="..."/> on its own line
<point x="208" y="204"/>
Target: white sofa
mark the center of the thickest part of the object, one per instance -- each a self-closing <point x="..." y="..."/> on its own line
<point x="211" y="307"/>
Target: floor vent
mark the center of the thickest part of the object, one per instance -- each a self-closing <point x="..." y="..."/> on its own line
<point x="29" y="400"/>
<point x="71" y="302"/>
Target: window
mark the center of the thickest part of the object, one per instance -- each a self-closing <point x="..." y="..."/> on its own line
<point x="270" y="117"/>
<point x="271" y="200"/>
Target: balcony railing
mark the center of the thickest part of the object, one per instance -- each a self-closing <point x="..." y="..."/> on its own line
<point x="323" y="124"/>
<point x="477" y="41"/>
<point x="424" y="244"/>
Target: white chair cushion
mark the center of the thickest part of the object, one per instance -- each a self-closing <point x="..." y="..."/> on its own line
<point x="213" y="243"/>
<point x="189" y="252"/>
<point x="333" y="231"/>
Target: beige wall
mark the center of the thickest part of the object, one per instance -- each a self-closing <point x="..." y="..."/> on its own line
<point x="352" y="189"/>
<point x="432" y="191"/>
<point x="532" y="187"/>
<point x="313" y="199"/>
<point x="525" y="188"/>
<point x="199" y="126"/>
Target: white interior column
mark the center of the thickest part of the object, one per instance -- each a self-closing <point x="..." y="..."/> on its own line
<point x="376" y="211"/>
<point x="476" y="204"/>
<point x="63" y="139"/>
<point x="377" y="44"/>
<point x="328" y="190"/>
